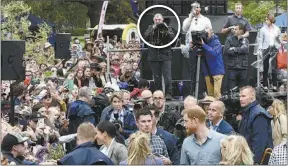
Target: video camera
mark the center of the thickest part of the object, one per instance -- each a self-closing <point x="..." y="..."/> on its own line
<point x="159" y="35"/>
<point x="197" y="36"/>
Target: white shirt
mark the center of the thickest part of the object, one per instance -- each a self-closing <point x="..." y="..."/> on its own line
<point x="216" y="126"/>
<point x="199" y="23"/>
<point x="269" y="37"/>
<point x="106" y="149"/>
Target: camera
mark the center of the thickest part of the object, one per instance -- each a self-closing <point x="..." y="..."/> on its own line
<point x="180" y="124"/>
<point x="117" y="123"/>
<point x="139" y="104"/>
<point x="197" y="36"/>
<point x="159" y="35"/>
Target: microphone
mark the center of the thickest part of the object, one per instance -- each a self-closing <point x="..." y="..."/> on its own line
<point x="116" y="115"/>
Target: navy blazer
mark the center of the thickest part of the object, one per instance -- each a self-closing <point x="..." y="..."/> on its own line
<point x="170" y="141"/>
<point x="85" y="154"/>
<point x="225" y="128"/>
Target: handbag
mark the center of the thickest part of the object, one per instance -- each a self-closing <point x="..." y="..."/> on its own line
<point x="282" y="58"/>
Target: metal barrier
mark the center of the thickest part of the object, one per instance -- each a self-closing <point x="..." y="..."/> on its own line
<point x="140" y="49"/>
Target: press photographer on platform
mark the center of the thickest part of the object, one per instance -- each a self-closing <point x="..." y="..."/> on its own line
<point x="208" y="46"/>
<point x="160" y="59"/>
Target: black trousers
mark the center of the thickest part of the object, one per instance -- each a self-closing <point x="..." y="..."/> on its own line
<point x="236" y="77"/>
<point x="160" y="68"/>
<point x="267" y="53"/>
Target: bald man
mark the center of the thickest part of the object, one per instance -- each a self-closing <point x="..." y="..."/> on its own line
<point x="168" y="116"/>
<point x="189" y="101"/>
<point x="216" y="112"/>
<point x="147" y="96"/>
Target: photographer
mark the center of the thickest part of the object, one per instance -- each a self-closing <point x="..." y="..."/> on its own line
<point x="237" y="49"/>
<point x="212" y="63"/>
<point x="160" y="59"/>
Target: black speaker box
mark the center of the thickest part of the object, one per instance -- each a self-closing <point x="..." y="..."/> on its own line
<point x="62" y="48"/>
<point x="12" y="52"/>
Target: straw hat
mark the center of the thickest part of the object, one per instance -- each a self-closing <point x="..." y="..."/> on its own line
<point x="207" y="100"/>
<point x="47" y="44"/>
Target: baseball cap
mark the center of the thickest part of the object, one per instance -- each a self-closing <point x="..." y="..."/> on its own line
<point x="12" y="139"/>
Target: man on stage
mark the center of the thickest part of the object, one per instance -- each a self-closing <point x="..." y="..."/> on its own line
<point x="160" y="59"/>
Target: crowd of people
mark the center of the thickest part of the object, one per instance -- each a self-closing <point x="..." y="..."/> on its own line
<point x="73" y="112"/>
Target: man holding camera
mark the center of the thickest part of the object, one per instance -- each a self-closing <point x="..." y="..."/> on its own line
<point x="160" y="59"/>
<point x="212" y="64"/>
<point x="237" y="49"/>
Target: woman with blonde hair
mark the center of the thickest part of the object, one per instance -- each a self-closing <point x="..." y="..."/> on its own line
<point x="139" y="151"/>
<point x="235" y="151"/>
<point x="279" y="122"/>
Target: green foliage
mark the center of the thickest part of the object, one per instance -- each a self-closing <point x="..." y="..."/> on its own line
<point x="18" y="29"/>
<point x="283" y="4"/>
<point x="76" y="31"/>
<point x="63" y="14"/>
<point x="253" y="11"/>
<point x="119" y="12"/>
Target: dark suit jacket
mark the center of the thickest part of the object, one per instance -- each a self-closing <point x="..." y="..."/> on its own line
<point x="225" y="128"/>
<point x="170" y="141"/>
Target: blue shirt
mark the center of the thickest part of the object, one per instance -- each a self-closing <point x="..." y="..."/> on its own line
<point x="206" y="154"/>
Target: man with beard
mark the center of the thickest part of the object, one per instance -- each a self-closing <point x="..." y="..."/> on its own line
<point x="202" y="147"/>
<point x="168" y="116"/>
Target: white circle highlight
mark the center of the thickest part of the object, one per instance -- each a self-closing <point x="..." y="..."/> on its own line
<point x="152" y="7"/>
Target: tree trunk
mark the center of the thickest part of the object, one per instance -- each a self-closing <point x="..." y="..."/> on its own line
<point x="94" y="12"/>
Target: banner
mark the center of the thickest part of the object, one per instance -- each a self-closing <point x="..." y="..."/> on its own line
<point x="134" y="7"/>
<point x="102" y="17"/>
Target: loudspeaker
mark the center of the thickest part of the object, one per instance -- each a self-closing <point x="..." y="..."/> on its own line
<point x="12" y="60"/>
<point x="62" y="47"/>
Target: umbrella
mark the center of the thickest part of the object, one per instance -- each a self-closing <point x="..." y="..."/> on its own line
<point x="281" y="20"/>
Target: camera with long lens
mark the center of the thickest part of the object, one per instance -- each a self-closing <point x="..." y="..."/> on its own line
<point x="159" y="34"/>
<point x="197" y="37"/>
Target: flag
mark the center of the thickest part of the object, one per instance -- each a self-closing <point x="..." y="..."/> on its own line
<point x="102" y="17"/>
<point x="134" y="8"/>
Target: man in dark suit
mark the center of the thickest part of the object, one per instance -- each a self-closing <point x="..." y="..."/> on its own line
<point x="215" y="115"/>
<point x="169" y="139"/>
<point x="86" y="152"/>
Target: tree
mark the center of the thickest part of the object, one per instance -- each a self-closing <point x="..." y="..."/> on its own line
<point x="253" y="11"/>
<point x="94" y="9"/>
<point x="16" y="27"/>
<point x="65" y="15"/>
<point x="124" y="12"/>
